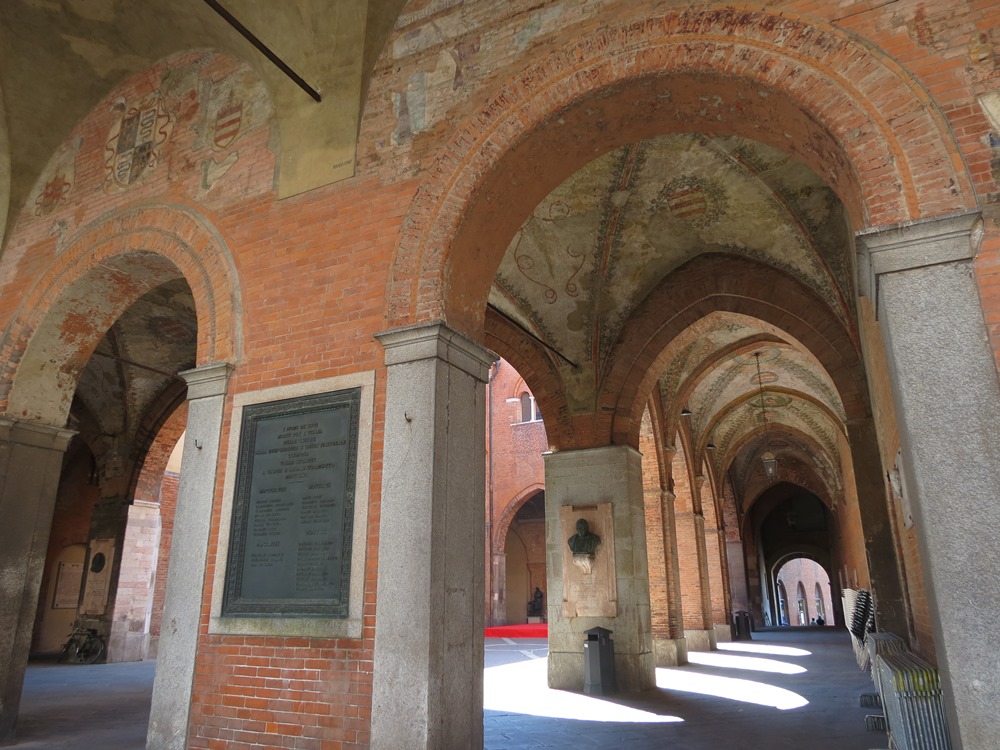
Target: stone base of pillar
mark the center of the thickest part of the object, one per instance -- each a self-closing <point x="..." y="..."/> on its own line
<point x="633" y="672"/>
<point x="700" y="640"/>
<point x="723" y="633"/>
<point x="670" y="652"/>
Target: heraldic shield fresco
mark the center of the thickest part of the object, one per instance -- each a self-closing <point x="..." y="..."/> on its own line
<point x="204" y="130"/>
<point x="135" y="141"/>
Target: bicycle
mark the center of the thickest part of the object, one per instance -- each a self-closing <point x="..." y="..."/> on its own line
<point x="84" y="646"/>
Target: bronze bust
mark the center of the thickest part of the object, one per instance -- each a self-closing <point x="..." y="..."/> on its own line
<point x="584" y="541"/>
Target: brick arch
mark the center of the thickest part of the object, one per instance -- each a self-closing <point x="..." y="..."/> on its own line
<point x="715" y="282"/>
<point x="810" y="89"/>
<point x="815" y="553"/>
<point x="710" y="362"/>
<point x="103" y="271"/>
<point x="538" y="371"/>
<point x="810" y="479"/>
<point x="775" y="425"/>
<point x="507" y="517"/>
<point x="156" y="438"/>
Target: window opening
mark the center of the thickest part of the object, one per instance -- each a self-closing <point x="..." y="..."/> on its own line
<point x="529" y="408"/>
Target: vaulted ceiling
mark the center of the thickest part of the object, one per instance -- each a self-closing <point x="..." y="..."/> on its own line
<point x="595" y="248"/>
<point x="129" y="381"/>
<point x="58" y="58"/>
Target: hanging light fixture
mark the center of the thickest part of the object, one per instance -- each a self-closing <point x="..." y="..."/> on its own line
<point x="767" y="457"/>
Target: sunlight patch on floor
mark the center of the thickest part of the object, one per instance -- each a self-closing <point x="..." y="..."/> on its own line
<point x="757" y="648"/>
<point x="755" y="663"/>
<point x="746" y="691"/>
<point x="522" y="688"/>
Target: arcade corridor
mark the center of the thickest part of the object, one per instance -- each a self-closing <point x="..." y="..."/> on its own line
<point x="784" y="688"/>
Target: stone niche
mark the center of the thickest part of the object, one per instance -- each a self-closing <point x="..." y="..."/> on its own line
<point x="589" y="584"/>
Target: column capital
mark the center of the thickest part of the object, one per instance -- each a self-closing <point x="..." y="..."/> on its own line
<point x="436" y="341"/>
<point x="35" y="434"/>
<point x="207" y="380"/>
<point x="915" y="244"/>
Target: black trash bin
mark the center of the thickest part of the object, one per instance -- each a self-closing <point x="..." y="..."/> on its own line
<point x="599" y="662"/>
<point x="742" y="626"/>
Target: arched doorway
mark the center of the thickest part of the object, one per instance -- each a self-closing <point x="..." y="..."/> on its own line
<point x="525" y="559"/>
<point x="811" y="582"/>
<point x="116" y="387"/>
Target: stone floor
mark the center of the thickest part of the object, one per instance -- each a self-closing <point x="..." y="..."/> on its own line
<point x="788" y="689"/>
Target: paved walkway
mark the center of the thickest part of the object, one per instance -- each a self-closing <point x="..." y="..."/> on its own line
<point x="788" y="689"/>
<point x="791" y="688"/>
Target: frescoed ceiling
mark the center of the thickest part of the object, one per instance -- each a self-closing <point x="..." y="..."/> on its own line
<point x="608" y="235"/>
<point x="58" y="58"/>
<point x="601" y="242"/>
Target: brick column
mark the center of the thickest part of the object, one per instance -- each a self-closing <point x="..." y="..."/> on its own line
<point x="178" y="645"/>
<point x="671" y="651"/>
<point x="947" y="399"/>
<point x="30" y="464"/>
<point x="699" y="630"/>
<point x="427" y="689"/>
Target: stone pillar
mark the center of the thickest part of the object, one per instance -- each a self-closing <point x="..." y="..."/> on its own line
<point x="427" y="690"/>
<point x="30" y="464"/>
<point x="672" y="651"/>
<point x="947" y="398"/>
<point x="592" y="478"/>
<point x="108" y="520"/>
<point x="129" y="639"/>
<point x="883" y="567"/>
<point x="498" y="598"/>
<point x="178" y="643"/>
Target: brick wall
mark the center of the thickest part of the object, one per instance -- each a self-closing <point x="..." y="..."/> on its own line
<point x="809" y="574"/>
<point x="168" y="505"/>
<point x="314" y="270"/>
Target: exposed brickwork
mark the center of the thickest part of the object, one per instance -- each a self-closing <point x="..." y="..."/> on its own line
<point x="515" y="474"/>
<point x="809" y="574"/>
<point x="71" y="524"/>
<point x="883" y="122"/>
<point x="168" y="505"/>
<point x="879" y="99"/>
<point x="695" y="591"/>
<point x="651" y="490"/>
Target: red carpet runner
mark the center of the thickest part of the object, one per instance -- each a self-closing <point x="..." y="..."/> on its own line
<point x="530" y="630"/>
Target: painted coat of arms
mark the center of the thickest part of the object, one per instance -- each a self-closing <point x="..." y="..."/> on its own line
<point x="135" y="140"/>
<point x="228" y="121"/>
<point x="52" y="195"/>
<point x="693" y="200"/>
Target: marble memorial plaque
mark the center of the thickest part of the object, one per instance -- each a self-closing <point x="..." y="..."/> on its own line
<point x="290" y="545"/>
